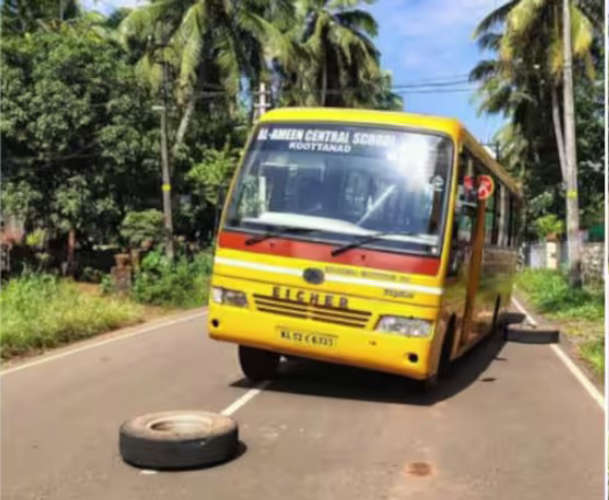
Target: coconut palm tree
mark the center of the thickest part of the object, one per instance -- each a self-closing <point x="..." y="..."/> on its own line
<point x="535" y="49"/>
<point x="210" y="44"/>
<point x="338" y="64"/>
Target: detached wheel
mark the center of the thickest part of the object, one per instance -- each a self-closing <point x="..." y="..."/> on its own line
<point x="178" y="439"/>
<point x="258" y="364"/>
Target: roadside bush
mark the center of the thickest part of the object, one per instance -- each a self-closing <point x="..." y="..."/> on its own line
<point x="182" y="283"/>
<point x="550" y="292"/>
<point x="139" y="227"/>
<point x="549" y="224"/>
<point x="41" y="311"/>
<point x="594" y="352"/>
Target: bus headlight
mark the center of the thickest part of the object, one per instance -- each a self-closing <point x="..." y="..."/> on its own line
<point x="228" y="297"/>
<point x="408" y="327"/>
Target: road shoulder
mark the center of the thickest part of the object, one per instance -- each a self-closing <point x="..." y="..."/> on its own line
<point x="150" y="325"/>
<point x="569" y="346"/>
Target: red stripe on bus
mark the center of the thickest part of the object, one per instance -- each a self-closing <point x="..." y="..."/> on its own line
<point x="386" y="261"/>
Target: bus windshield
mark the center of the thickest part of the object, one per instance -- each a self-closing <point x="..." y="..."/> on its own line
<point x="340" y="183"/>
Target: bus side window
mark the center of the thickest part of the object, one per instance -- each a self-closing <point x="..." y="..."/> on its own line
<point x="504" y="216"/>
<point x="464" y="215"/>
<point x="511" y="218"/>
<point x="514" y="221"/>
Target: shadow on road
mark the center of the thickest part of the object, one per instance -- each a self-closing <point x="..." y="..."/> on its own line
<point x="315" y="378"/>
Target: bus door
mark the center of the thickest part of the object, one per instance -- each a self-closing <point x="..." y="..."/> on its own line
<point x="463" y="279"/>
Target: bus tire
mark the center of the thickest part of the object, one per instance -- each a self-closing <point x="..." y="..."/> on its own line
<point x="428" y="384"/>
<point x="258" y="364"/>
<point x="445" y="363"/>
<point x="178" y="439"/>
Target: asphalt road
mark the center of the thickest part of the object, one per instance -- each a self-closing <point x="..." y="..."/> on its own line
<point x="512" y="423"/>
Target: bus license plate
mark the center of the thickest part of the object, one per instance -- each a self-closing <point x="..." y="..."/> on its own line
<point x="307" y="338"/>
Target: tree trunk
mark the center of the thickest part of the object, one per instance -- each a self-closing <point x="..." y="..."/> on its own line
<point x="184" y="122"/>
<point x="560" y="142"/>
<point x="574" y="243"/>
<point x="70" y="254"/>
<point x="324" y="82"/>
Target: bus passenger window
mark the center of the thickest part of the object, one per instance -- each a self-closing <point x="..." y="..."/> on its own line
<point x="504" y="212"/>
<point x="510" y="221"/>
<point x="465" y="216"/>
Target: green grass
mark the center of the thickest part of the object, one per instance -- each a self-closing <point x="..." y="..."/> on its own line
<point x="40" y="311"/>
<point x="580" y="313"/>
<point x="550" y="293"/>
<point x="594" y="352"/>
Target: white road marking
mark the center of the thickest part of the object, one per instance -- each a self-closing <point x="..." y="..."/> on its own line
<point x="572" y="367"/>
<point x="243" y="400"/>
<point x="135" y="333"/>
<point x="521" y="308"/>
<point x="148" y="472"/>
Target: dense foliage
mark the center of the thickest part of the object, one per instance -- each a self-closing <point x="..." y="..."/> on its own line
<point x="78" y="134"/>
<point x="519" y="80"/>
<point x="81" y="94"/>
<point x="182" y="282"/>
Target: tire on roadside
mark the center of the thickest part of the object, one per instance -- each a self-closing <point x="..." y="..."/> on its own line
<point x="526" y="334"/>
<point x="258" y="364"/>
<point x="178" y="439"/>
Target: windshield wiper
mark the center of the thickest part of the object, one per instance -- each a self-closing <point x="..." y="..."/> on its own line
<point x="277" y="231"/>
<point x="367" y="239"/>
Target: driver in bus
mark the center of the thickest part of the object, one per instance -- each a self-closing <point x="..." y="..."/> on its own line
<point x="310" y="197"/>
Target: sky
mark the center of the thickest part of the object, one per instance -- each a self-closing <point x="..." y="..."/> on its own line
<point x="431" y="40"/>
<point x="420" y="41"/>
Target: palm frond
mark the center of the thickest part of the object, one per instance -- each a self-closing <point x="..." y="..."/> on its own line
<point x="359" y="20"/>
<point x="149" y="72"/>
<point x="141" y="23"/>
<point x="496" y="17"/>
<point x="524" y="14"/>
<point x="346" y="4"/>
<point x="189" y="38"/>
<point x="582" y="32"/>
<point x="489" y="41"/>
<point x="484" y="70"/>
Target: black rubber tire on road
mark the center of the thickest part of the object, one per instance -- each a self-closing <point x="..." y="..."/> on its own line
<point x="258" y="364"/>
<point x="525" y="334"/>
<point x="178" y="439"/>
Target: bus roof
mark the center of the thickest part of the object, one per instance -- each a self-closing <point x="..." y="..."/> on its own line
<point x="449" y="126"/>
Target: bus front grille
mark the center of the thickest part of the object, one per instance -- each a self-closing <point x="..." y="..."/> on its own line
<point x="345" y="317"/>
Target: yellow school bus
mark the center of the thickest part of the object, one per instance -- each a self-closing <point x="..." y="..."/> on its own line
<point x="382" y="240"/>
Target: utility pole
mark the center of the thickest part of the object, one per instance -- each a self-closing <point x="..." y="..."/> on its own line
<point x="571" y="153"/>
<point x="166" y="186"/>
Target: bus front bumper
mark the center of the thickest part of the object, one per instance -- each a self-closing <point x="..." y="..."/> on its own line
<point x="363" y="348"/>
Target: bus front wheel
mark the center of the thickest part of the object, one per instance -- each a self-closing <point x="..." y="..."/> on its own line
<point x="258" y="364"/>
